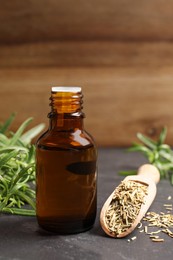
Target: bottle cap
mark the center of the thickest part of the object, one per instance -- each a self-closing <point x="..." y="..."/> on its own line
<point x="66" y="89"/>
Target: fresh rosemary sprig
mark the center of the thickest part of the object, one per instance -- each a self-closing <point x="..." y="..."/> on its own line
<point x="157" y="152"/>
<point x="17" y="168"/>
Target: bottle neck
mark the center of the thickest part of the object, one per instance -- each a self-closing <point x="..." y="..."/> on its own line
<point x="66" y="109"/>
<point x="65" y="122"/>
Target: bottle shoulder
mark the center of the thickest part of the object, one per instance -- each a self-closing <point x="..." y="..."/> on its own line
<point x="77" y="138"/>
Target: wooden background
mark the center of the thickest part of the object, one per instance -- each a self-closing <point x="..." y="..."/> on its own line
<point x="119" y="51"/>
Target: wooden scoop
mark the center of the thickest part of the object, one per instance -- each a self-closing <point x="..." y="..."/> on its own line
<point x="147" y="175"/>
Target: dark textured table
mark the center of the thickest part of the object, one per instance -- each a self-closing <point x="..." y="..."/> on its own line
<point x="20" y="237"/>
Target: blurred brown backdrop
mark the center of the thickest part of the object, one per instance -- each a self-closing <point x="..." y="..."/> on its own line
<point x="119" y="51"/>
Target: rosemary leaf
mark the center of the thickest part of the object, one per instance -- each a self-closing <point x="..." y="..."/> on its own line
<point x="30" y="134"/>
<point x="3" y="139"/>
<point x="125" y="173"/>
<point x="7" y="124"/>
<point x="162" y="136"/>
<point x="17" y="211"/>
<point x="147" y="141"/>
<point x="7" y="157"/>
<point x="19" y="132"/>
<point x="12" y="148"/>
<point x="138" y="147"/>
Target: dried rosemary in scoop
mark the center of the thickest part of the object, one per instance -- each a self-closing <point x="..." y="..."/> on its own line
<point x="129" y="202"/>
<point x="125" y="206"/>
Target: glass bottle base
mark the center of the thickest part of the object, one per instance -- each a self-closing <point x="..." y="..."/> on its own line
<point x="62" y="227"/>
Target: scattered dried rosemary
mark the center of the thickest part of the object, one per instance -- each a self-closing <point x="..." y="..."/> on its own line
<point x="125" y="206"/>
<point x="162" y="221"/>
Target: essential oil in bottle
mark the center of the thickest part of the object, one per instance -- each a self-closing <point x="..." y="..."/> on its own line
<point x="66" y="167"/>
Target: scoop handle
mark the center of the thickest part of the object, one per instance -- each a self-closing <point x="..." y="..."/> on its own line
<point x="149" y="171"/>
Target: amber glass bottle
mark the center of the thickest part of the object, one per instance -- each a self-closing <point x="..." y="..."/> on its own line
<point x="66" y="177"/>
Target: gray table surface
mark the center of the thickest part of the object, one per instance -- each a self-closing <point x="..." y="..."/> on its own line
<point x="20" y="237"/>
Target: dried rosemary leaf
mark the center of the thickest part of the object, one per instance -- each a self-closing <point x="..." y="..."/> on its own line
<point x="157" y="239"/>
<point x="133" y="238"/>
